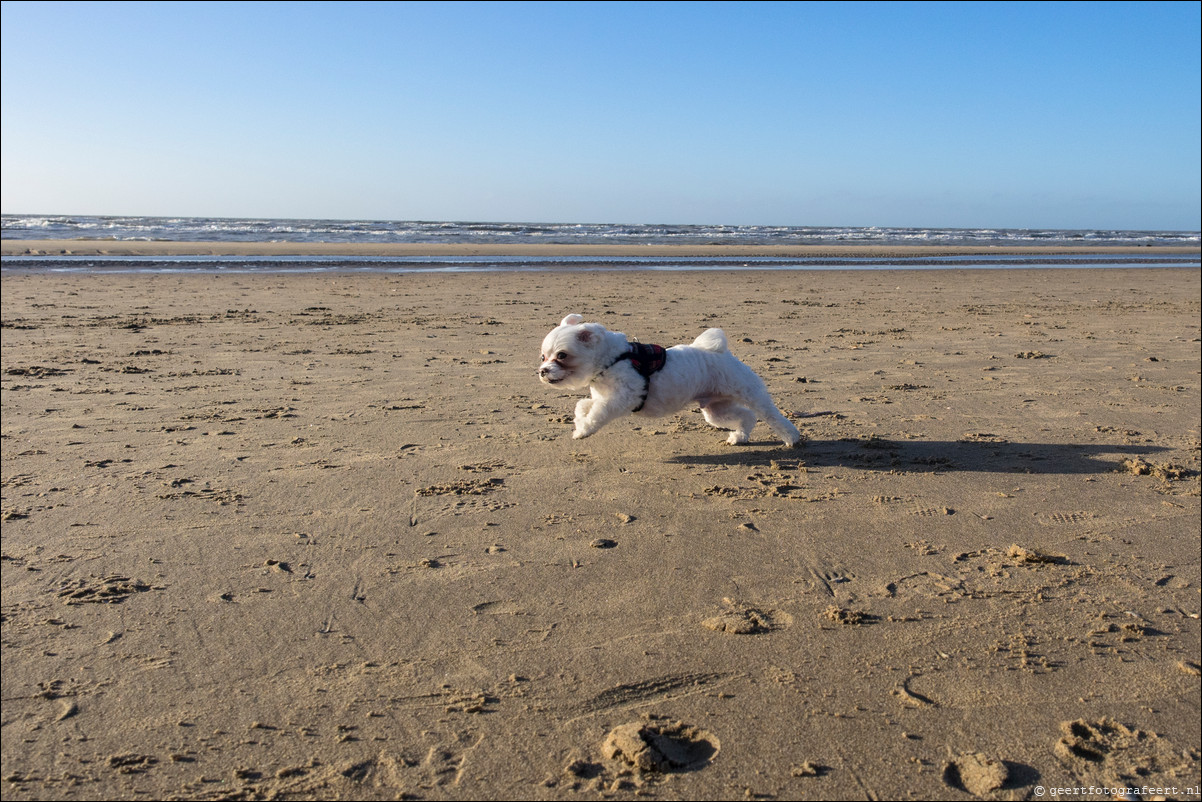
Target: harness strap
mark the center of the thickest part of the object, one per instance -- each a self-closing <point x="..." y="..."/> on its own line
<point x="646" y="359"/>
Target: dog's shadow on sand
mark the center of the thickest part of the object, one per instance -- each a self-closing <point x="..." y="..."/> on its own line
<point x="938" y="456"/>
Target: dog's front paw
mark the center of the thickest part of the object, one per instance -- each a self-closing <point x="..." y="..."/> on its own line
<point x="579" y="435"/>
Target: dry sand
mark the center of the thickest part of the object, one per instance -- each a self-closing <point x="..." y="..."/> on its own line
<point x="326" y="537"/>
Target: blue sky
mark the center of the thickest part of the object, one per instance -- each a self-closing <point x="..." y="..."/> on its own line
<point x="1037" y="115"/>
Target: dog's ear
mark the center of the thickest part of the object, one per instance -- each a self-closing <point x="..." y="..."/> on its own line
<point x="585" y="335"/>
<point x="572" y="320"/>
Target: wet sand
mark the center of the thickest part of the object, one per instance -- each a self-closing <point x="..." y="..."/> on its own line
<point x="327" y="537"/>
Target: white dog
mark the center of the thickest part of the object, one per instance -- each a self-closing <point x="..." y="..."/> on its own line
<point x="625" y="378"/>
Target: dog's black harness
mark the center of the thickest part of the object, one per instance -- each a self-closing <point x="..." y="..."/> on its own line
<point x="646" y="359"/>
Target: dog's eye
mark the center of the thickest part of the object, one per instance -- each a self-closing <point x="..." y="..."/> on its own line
<point x="561" y="355"/>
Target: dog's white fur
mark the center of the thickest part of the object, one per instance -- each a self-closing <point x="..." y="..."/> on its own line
<point x="577" y="355"/>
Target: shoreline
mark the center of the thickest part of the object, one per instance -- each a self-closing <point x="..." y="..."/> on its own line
<point x="13" y="248"/>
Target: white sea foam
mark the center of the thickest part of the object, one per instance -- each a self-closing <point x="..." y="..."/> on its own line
<point x="259" y="229"/>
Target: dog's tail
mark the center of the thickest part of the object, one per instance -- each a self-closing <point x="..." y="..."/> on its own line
<point x="712" y="340"/>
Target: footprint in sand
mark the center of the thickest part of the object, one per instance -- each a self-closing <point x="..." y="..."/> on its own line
<point x="101" y="590"/>
<point x="742" y="619"/>
<point x="465" y="495"/>
<point x="978" y="774"/>
<point x="1025" y="555"/>
<point x="660" y="744"/>
<point x="1062" y="518"/>
<point x="1108" y="753"/>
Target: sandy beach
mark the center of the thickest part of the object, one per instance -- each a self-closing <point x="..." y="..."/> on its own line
<point x="325" y="536"/>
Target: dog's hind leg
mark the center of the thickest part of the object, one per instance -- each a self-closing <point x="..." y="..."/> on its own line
<point x="781" y="426"/>
<point x="726" y="414"/>
<point x="762" y="407"/>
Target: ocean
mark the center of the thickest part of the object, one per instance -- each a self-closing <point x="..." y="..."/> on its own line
<point x="216" y="229"/>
